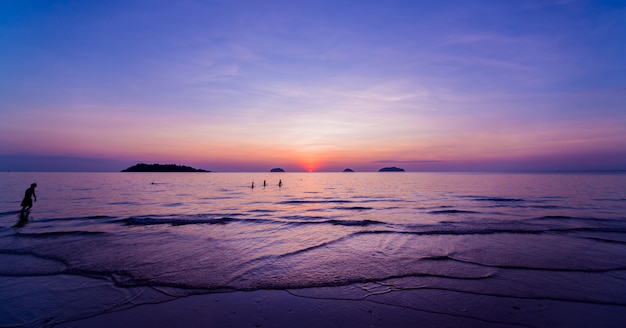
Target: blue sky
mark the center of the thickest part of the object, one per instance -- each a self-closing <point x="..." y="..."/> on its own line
<point x="313" y="85"/>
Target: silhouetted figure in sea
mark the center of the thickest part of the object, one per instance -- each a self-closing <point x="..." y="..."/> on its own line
<point x="252" y="185"/>
<point x="280" y="183"/>
<point x="264" y="184"/>
<point x="27" y="202"/>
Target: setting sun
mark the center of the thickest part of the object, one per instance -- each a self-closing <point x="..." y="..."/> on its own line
<point x="310" y="166"/>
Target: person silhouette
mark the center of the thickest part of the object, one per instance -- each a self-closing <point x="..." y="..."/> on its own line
<point x="252" y="185"/>
<point x="27" y="202"/>
<point x="264" y="184"/>
<point x="280" y="183"/>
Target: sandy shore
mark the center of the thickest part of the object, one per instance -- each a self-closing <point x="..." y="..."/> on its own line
<point x="273" y="308"/>
<point x="328" y="307"/>
<point x="43" y="301"/>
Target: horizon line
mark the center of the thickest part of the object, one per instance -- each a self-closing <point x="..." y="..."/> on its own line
<point x="406" y="171"/>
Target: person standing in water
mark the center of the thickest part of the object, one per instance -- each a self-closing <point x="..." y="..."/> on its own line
<point x="280" y="183"/>
<point x="27" y="202"/>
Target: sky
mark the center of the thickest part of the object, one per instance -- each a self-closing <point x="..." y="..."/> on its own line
<point x="313" y="85"/>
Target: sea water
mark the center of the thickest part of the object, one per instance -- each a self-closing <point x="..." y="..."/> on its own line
<point x="100" y="242"/>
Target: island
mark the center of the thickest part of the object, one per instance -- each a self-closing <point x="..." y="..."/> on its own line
<point x="391" y="169"/>
<point x="277" y="169"/>
<point x="141" y="167"/>
<point x="348" y="170"/>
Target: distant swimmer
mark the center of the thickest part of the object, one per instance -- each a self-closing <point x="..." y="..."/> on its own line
<point x="264" y="184"/>
<point x="27" y="202"/>
<point x="280" y="183"/>
<point x="252" y="185"/>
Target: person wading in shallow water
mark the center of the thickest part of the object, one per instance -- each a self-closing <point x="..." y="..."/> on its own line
<point x="27" y="202"/>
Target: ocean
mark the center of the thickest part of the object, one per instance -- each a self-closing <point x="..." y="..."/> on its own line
<point x="510" y="249"/>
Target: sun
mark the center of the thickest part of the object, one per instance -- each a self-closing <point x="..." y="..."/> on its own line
<point x="310" y="162"/>
<point x="310" y="165"/>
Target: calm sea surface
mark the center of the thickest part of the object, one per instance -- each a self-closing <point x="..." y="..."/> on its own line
<point x="132" y="238"/>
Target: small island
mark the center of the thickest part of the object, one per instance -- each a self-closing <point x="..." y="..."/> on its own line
<point x="141" y="167"/>
<point x="348" y="170"/>
<point x="277" y="169"/>
<point x="391" y="169"/>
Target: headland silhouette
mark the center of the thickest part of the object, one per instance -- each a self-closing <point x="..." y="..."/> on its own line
<point x="391" y="169"/>
<point x="141" y="167"/>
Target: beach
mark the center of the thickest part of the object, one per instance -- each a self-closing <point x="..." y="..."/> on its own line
<point x="284" y="309"/>
<point x="322" y="250"/>
<point x="367" y="305"/>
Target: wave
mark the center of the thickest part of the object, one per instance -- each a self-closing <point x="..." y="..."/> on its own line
<point x="571" y="218"/>
<point x="135" y="221"/>
<point x="173" y="204"/>
<point x="82" y="198"/>
<point x="296" y="218"/>
<point x="295" y="202"/>
<point x="531" y="268"/>
<point x="354" y="208"/>
<point x="455" y="232"/>
<point x="605" y="240"/>
<point x="560" y="217"/>
<point x="217" y="198"/>
<point x="18" y="263"/>
<point x="10" y="213"/>
<point x="78" y="218"/>
<point x="548" y="207"/>
<point x="294" y="221"/>
<point x="452" y="212"/>
<point x="123" y="203"/>
<point x="560" y="224"/>
<point x="462" y="230"/>
<point x="57" y="234"/>
<point x="494" y="199"/>
<point x="360" y="223"/>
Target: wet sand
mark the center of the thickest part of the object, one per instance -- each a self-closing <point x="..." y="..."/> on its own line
<point x="332" y="307"/>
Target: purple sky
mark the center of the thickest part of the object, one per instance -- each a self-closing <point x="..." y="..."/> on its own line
<point x="313" y="85"/>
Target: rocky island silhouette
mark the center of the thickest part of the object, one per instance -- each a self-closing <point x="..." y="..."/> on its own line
<point x="142" y="167"/>
<point x="391" y="169"/>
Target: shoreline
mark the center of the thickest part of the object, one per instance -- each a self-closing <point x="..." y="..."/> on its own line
<point x="81" y="301"/>
<point x="334" y="307"/>
<point x="272" y="308"/>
